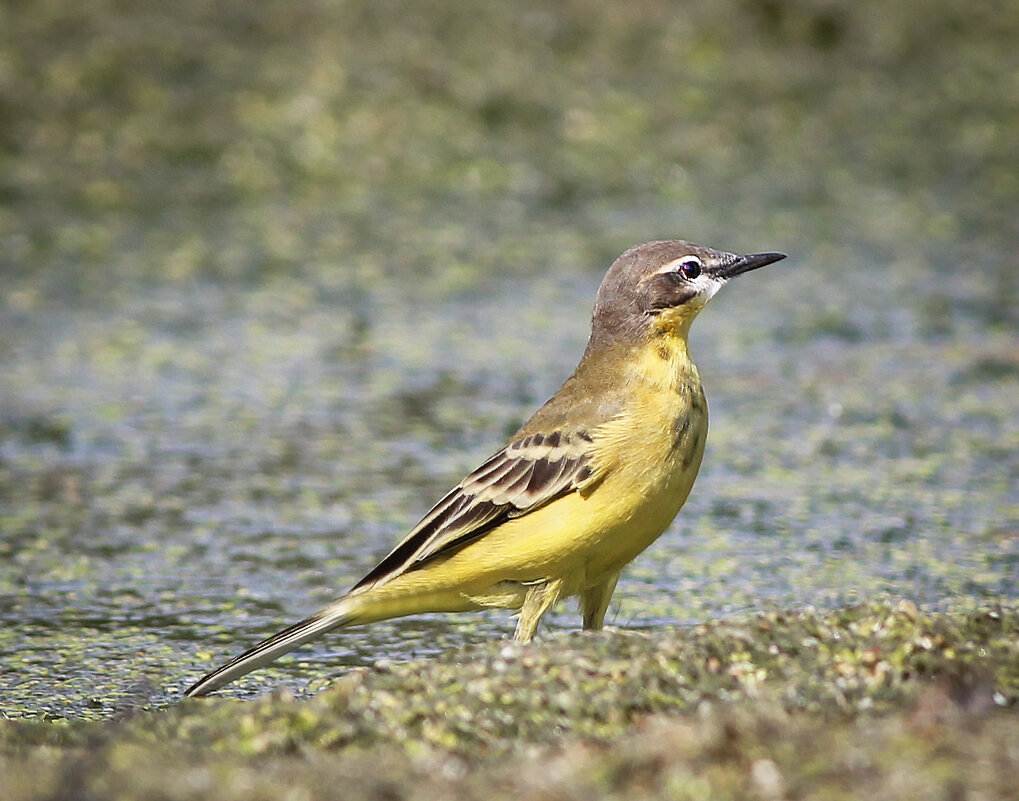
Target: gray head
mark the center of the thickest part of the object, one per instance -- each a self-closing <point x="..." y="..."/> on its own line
<point x="663" y="285"/>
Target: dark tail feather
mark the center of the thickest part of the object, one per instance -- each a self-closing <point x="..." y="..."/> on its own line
<point x="333" y="616"/>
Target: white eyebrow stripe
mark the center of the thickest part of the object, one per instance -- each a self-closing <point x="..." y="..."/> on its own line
<point x="671" y="266"/>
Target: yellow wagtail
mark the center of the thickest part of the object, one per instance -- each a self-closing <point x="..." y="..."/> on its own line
<point x="592" y="479"/>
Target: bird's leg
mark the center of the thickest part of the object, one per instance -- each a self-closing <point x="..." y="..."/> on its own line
<point x="595" y="600"/>
<point x="537" y="601"/>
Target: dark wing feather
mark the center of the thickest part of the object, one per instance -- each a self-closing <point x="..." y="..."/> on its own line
<point x="525" y="475"/>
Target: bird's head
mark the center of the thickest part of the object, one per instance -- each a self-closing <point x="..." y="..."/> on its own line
<point x="662" y="286"/>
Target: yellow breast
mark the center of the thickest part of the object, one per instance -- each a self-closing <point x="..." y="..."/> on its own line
<point x="656" y="447"/>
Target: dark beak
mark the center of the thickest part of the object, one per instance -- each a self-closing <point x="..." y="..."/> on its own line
<point x="744" y="264"/>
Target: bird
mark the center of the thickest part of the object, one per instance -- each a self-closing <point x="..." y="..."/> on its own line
<point x="586" y="484"/>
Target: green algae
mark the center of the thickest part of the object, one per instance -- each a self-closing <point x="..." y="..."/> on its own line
<point x="502" y="696"/>
<point x="849" y="704"/>
<point x="275" y="276"/>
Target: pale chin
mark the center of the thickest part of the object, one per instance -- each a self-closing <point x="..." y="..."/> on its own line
<point x="709" y="291"/>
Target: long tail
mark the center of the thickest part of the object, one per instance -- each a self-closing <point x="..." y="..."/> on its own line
<point x="360" y="606"/>
<point x="342" y="612"/>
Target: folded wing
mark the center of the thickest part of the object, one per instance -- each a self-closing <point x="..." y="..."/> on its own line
<point x="525" y="475"/>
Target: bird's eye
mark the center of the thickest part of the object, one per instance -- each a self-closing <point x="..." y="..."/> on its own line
<point x="690" y="269"/>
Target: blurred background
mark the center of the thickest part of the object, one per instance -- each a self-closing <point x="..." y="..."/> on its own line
<point x="275" y="275"/>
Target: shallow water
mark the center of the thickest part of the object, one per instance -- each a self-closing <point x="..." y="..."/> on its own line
<point x="218" y="414"/>
<point x="161" y="515"/>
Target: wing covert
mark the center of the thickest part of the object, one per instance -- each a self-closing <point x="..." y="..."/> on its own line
<point x="524" y="475"/>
